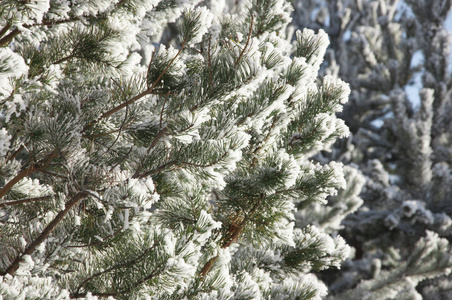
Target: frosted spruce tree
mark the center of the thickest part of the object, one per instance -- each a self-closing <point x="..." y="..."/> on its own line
<point x="135" y="169"/>
<point x="396" y="57"/>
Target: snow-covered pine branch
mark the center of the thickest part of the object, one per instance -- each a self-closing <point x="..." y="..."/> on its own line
<point x="135" y="169"/>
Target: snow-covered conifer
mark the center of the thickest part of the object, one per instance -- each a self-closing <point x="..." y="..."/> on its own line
<point x="396" y="57"/>
<point x="137" y="164"/>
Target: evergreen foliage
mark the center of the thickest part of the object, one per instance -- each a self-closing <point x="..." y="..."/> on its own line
<point x="396" y="57"/>
<point x="135" y="165"/>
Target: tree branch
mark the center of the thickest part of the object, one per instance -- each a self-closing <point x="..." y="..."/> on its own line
<point x="45" y="233"/>
<point x="15" y="153"/>
<point x="232" y="236"/>
<point x="9" y="37"/>
<point x="247" y="42"/>
<point x="144" y="93"/>
<point x="115" y="267"/>
<point x="26" y="200"/>
<point x="24" y="173"/>
<point x="5" y="29"/>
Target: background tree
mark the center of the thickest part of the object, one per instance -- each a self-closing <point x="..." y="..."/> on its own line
<point x="396" y="57"/>
<point x="134" y="169"/>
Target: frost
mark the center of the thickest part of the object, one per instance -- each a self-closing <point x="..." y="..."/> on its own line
<point x="248" y="288"/>
<point x="331" y="82"/>
<point x="204" y="21"/>
<point x="392" y="221"/>
<point x="205" y="225"/>
<point x="4" y="142"/>
<point x="126" y="219"/>
<point x="321" y="39"/>
<point x="338" y="174"/>
<point x="169" y="242"/>
<point x="331" y="252"/>
<point x="37" y="9"/>
<point x="12" y="66"/>
<point x="410" y="207"/>
<point x="77" y="220"/>
<point x="32" y="188"/>
<point x="413" y="88"/>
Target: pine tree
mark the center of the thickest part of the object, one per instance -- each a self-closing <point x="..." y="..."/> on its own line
<point x="139" y="165"/>
<point x="395" y="55"/>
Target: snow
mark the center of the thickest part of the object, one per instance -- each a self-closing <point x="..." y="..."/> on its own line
<point x="4" y="141"/>
<point x="338" y="174"/>
<point x="321" y="38"/>
<point x="77" y="220"/>
<point x="12" y="66"/>
<point x="204" y="21"/>
<point x="392" y="221"/>
<point x="126" y="219"/>
<point x="37" y="10"/>
<point x="338" y="85"/>
<point x="206" y="224"/>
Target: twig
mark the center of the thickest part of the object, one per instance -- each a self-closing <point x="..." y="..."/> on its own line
<point x="152" y="59"/>
<point x="15" y="153"/>
<point x="122" y="159"/>
<point x="210" y="65"/>
<point x="142" y="94"/>
<point x="24" y="173"/>
<point x="26" y="200"/>
<point x="45" y="233"/>
<point x="247" y="42"/>
<point x="9" y="37"/>
<point x="115" y="267"/>
<point x="120" y="127"/>
<point x="93" y="136"/>
<point x="161" y="111"/>
<point x="5" y="29"/>
<point x="232" y="236"/>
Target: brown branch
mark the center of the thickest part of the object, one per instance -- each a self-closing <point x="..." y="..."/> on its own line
<point x="63" y="59"/>
<point x="247" y="42"/>
<point x="45" y="233"/>
<point x="232" y="236"/>
<point x="104" y="241"/>
<point x="161" y="111"/>
<point x="157" y="137"/>
<point x="144" y="93"/>
<point x="156" y="171"/>
<point x="110" y="132"/>
<point x="100" y="295"/>
<point x="210" y="64"/>
<point x="26" y="200"/>
<point x="24" y="173"/>
<point x="15" y="153"/>
<point x="207" y="267"/>
<point x="9" y="37"/>
<point x="53" y="22"/>
<point x="5" y="29"/>
<point x="122" y="159"/>
<point x="115" y="267"/>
